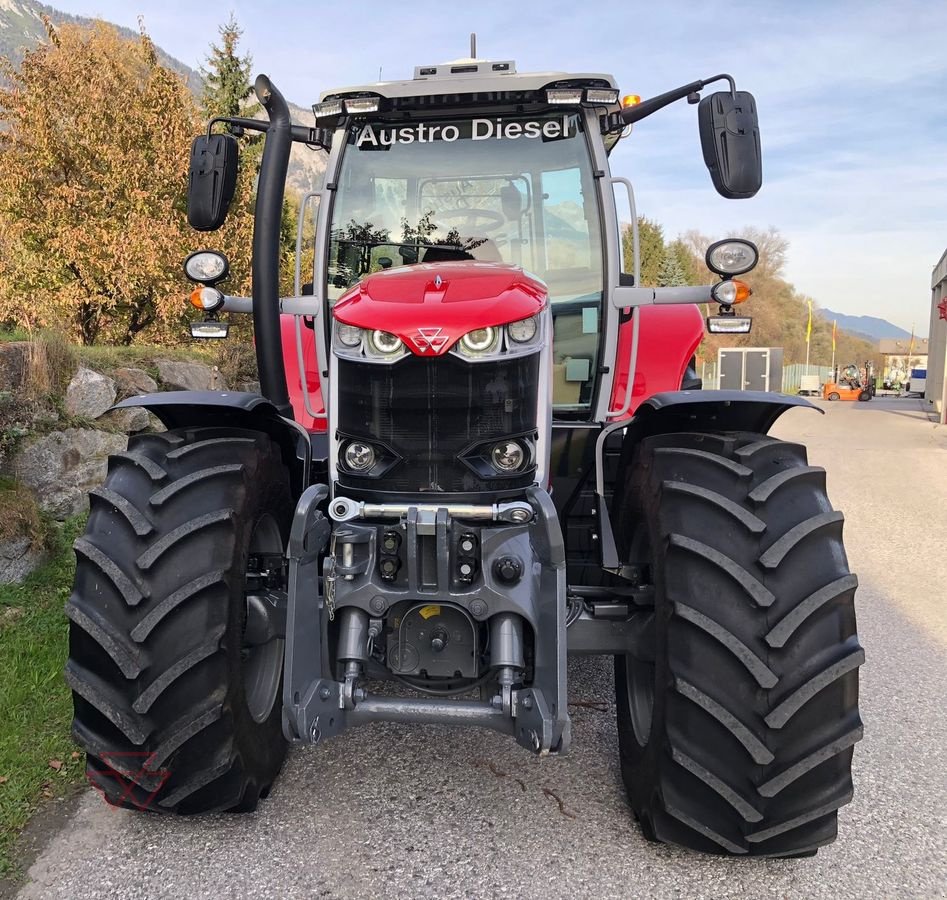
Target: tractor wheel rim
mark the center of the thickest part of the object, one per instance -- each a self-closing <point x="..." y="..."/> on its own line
<point x="640" y="677"/>
<point x="262" y="664"/>
<point x="640" y="687"/>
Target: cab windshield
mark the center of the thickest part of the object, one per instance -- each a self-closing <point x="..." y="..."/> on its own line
<point x="517" y="190"/>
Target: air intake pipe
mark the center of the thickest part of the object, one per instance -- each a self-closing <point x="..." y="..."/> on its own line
<point x="266" y="245"/>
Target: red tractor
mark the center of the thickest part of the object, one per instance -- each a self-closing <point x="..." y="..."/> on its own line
<point x="480" y="446"/>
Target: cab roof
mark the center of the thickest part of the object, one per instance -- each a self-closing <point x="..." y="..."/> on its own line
<point x="471" y="76"/>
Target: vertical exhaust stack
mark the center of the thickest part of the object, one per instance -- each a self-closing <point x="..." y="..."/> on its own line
<point x="266" y="237"/>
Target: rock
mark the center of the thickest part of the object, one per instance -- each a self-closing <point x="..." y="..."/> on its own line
<point x="155" y="424"/>
<point x="18" y="557"/>
<point x="89" y="394"/>
<point x="130" y="420"/>
<point x="61" y="467"/>
<point x="131" y="382"/>
<point x="189" y="376"/>
<point x="252" y="387"/>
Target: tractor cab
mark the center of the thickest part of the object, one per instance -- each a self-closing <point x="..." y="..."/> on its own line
<point x="503" y="184"/>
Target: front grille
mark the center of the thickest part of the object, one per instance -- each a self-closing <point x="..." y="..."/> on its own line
<point x="428" y="411"/>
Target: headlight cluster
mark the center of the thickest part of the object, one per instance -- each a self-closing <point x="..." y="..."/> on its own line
<point x="363" y="343"/>
<point x="493" y="342"/>
<point x="515" y="339"/>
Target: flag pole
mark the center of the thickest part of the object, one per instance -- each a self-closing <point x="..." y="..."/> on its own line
<point x="834" y="325"/>
<point x="808" y="335"/>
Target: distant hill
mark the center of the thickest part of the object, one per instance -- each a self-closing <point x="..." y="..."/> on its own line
<point x="21" y="29"/>
<point x="869" y="327"/>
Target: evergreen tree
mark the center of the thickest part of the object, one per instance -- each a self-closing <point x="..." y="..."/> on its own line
<point x="689" y="264"/>
<point x="227" y="76"/>
<point x="651" y="248"/>
<point x="671" y="273"/>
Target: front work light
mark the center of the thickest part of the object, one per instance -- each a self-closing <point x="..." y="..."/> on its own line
<point x="600" y="96"/>
<point x="206" y="267"/>
<point x="733" y="256"/>
<point x="564" y="95"/>
<point x="586" y="96"/>
<point x="359" y="105"/>
<point x="729" y="324"/>
<point x="327" y="108"/>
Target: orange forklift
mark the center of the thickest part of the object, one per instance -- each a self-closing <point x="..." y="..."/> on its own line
<point x="852" y="383"/>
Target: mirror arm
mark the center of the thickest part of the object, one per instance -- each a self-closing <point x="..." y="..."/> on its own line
<point x="238" y="122"/>
<point x="301" y="134"/>
<point x="635" y="113"/>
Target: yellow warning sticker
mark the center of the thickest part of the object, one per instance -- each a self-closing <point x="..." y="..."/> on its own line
<point x="427" y="612"/>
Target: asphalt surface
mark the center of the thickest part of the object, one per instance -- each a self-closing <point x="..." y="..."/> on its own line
<point x="392" y="811"/>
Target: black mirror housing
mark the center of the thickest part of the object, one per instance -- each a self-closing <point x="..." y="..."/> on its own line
<point x="211" y="180"/>
<point x="730" y="139"/>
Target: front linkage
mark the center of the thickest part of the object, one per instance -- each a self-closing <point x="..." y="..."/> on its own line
<point x="431" y="619"/>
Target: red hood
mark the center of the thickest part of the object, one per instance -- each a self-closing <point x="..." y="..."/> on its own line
<point x="430" y="307"/>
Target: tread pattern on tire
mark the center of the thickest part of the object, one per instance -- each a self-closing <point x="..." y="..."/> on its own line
<point x="755" y="708"/>
<point x="152" y="622"/>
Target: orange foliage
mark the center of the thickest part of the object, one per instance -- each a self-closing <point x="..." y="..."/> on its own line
<point x="93" y="166"/>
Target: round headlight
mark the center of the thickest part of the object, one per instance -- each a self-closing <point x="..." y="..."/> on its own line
<point x="507" y="456"/>
<point x="481" y="340"/>
<point x="732" y="257"/>
<point x="524" y="331"/>
<point x="385" y="343"/>
<point x="359" y="456"/>
<point x="206" y="267"/>
<point x="349" y="335"/>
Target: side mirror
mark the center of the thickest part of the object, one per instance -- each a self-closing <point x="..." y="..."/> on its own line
<point x="211" y="180"/>
<point x="730" y="138"/>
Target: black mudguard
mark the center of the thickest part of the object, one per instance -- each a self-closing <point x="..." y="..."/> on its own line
<point x="233" y="409"/>
<point x="690" y="411"/>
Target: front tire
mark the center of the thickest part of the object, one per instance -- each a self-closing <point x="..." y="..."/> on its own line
<point x="175" y="678"/>
<point x="737" y="737"/>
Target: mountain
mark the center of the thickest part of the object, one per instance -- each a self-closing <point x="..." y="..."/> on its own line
<point x="869" y="327"/>
<point x="21" y="29"/>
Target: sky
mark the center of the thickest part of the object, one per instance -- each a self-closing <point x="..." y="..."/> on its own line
<point x="852" y="100"/>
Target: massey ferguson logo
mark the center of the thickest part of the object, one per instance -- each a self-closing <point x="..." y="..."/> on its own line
<point x="430" y="339"/>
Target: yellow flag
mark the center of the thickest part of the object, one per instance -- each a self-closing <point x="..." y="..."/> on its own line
<point x="834" y="327"/>
<point x="911" y="348"/>
<point x="809" y="323"/>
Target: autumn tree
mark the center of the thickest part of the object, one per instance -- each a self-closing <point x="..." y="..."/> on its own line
<point x="93" y="163"/>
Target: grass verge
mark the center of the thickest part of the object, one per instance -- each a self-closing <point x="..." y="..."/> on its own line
<point x="36" y="752"/>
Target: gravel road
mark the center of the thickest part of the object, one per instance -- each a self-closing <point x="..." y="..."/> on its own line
<point x="391" y="811"/>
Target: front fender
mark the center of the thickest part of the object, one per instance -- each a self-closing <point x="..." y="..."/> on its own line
<point x="713" y="411"/>
<point x="233" y="409"/>
<point x="690" y="411"/>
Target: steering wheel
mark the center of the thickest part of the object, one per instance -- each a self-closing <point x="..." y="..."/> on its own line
<point x="470" y="216"/>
